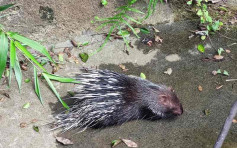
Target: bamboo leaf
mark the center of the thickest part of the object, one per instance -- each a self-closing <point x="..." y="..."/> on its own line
<point x="28" y="54"/>
<point x="37" y="88"/>
<point x="61" y="79"/>
<point x="33" y="44"/>
<point x="54" y="90"/>
<point x="12" y="54"/>
<point x="4" y="7"/>
<point x="18" y="73"/>
<point x="3" y="52"/>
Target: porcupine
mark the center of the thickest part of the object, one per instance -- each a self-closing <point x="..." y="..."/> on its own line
<point x="105" y="98"/>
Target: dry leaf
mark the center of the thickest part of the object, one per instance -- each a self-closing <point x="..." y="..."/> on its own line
<point x="2" y="99"/>
<point x="214" y="72"/>
<point x="74" y="43"/>
<point x="34" y="120"/>
<point x="227" y="51"/>
<point x="200" y="88"/>
<point x="123" y="67"/>
<point x="64" y="141"/>
<point x="137" y="30"/>
<point x="156" y="30"/>
<point x="23" y="124"/>
<point x="168" y="71"/>
<point x="218" y="57"/>
<point x="219" y="87"/>
<point x="234" y="121"/>
<point x="158" y="39"/>
<point x="129" y="143"/>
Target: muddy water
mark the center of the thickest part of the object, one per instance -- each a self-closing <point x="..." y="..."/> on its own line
<point x="193" y="129"/>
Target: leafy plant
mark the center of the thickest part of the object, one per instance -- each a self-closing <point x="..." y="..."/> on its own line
<point x="10" y="42"/>
<point x="122" y="18"/>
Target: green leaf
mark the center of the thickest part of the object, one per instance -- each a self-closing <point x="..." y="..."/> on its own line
<point x="28" y="55"/>
<point x="3" y="52"/>
<point x="84" y="57"/>
<point x="149" y="9"/>
<point x="27" y="80"/>
<point x="18" y="73"/>
<point x="223" y="8"/>
<point x="61" y="79"/>
<point x="60" y="57"/>
<point x="190" y="2"/>
<point x="132" y="2"/>
<point x="85" y="43"/>
<point x="37" y="88"/>
<point x="54" y="90"/>
<point x="36" y="128"/>
<point x="134" y="10"/>
<point x="27" y="105"/>
<point x="104" y="2"/>
<point x="218" y="71"/>
<point x="203" y="37"/>
<point x="225" y="73"/>
<point x="105" y="24"/>
<point x="201" y="48"/>
<point x="220" y="50"/>
<point x="143" y="76"/>
<point x="199" y="13"/>
<point x="144" y="30"/>
<point x="33" y="44"/>
<point x="12" y="54"/>
<point x="4" y="7"/>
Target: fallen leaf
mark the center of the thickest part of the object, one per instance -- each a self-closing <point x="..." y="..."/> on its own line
<point x="27" y="105"/>
<point x="34" y="120"/>
<point x="142" y="75"/>
<point x="68" y="51"/>
<point x="84" y="57"/>
<point x="129" y="143"/>
<point x="144" y="30"/>
<point x="214" y="72"/>
<point x="158" y="39"/>
<point x="225" y="73"/>
<point x="2" y="99"/>
<point x="168" y="71"/>
<point x="123" y="67"/>
<point x="23" y="125"/>
<point x="60" y="56"/>
<point x="219" y="87"/>
<point x="206" y="112"/>
<point x="218" y="57"/>
<point x="36" y="128"/>
<point x="200" y="88"/>
<point x="227" y="51"/>
<point x="234" y="121"/>
<point x="74" y="43"/>
<point x="137" y="30"/>
<point x="156" y="30"/>
<point x="27" y="80"/>
<point x="115" y="142"/>
<point x="201" y="48"/>
<point x="64" y="141"/>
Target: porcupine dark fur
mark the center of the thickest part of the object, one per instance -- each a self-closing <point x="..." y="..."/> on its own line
<point x="105" y="98"/>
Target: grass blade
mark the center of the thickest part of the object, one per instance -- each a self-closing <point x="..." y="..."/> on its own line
<point x="149" y="9"/>
<point x="132" y="19"/>
<point x="18" y="73"/>
<point x="125" y="22"/>
<point x="3" y="52"/>
<point x="61" y="79"/>
<point x="135" y="10"/>
<point x="124" y="38"/>
<point x="28" y="54"/>
<point x="54" y="90"/>
<point x="33" y="44"/>
<point x="105" y="24"/>
<point x="106" y="40"/>
<point x="4" y="7"/>
<point x="37" y="88"/>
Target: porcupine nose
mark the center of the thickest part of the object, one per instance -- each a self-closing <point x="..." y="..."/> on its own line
<point x="178" y="111"/>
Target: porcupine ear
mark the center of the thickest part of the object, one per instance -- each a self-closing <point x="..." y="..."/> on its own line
<point x="164" y="100"/>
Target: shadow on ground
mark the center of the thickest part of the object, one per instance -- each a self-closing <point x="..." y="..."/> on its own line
<point x="193" y="129"/>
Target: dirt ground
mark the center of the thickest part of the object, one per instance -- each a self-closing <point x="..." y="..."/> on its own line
<point x="55" y="23"/>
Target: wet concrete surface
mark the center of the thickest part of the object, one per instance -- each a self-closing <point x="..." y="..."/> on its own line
<point x="193" y="129"/>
